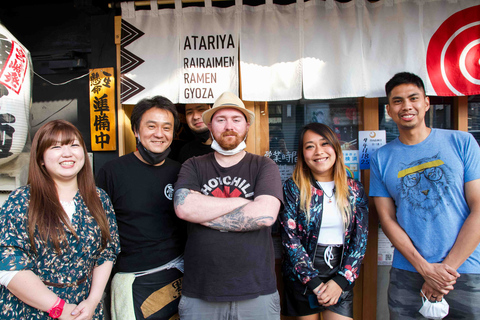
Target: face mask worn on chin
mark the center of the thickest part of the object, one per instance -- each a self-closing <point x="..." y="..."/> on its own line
<point x="215" y="146"/>
<point x="152" y="157"/>
<point x="434" y="310"/>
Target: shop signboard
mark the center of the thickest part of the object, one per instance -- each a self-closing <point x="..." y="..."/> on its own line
<point x="102" y="109"/>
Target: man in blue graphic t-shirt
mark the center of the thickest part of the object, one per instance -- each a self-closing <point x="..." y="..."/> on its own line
<point x="425" y="186"/>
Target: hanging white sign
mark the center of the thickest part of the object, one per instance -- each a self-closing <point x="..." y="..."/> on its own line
<point x="311" y="49"/>
<point x="208" y="54"/>
<point x="208" y="64"/>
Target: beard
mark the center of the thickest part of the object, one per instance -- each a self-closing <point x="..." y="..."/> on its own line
<point x="227" y="143"/>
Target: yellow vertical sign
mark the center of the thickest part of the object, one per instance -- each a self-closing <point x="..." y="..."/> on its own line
<point x="102" y="109"/>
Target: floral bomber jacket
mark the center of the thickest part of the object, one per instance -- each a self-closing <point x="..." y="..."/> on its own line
<point x="300" y="237"/>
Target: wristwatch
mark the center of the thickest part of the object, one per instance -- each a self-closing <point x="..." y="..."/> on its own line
<point x="56" y="311"/>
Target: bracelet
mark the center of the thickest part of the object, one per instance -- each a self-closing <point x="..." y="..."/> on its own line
<point x="56" y="310"/>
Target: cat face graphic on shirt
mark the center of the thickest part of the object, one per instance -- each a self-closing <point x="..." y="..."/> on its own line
<point x="423" y="184"/>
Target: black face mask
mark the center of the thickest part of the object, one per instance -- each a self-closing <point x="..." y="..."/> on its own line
<point x="152" y="157"/>
<point x="202" y="136"/>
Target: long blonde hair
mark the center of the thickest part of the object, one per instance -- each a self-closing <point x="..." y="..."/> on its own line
<point x="302" y="174"/>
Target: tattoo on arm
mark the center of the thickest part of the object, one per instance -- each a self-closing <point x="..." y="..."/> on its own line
<point x="180" y="196"/>
<point x="237" y="221"/>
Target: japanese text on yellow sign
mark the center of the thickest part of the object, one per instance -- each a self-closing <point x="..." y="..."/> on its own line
<point x="102" y="109"/>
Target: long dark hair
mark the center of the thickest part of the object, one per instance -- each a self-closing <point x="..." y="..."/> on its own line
<point x="45" y="213"/>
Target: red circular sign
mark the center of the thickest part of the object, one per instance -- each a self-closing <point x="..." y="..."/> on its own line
<point x="453" y="54"/>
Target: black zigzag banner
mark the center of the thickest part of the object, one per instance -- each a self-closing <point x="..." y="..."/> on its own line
<point x="128" y="88"/>
<point x="129" y="33"/>
<point x="128" y="62"/>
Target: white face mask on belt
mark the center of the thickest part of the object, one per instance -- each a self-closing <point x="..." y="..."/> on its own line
<point x="434" y="310"/>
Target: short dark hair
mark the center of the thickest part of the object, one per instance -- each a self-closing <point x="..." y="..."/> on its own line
<point x="155" y="102"/>
<point x="403" y="78"/>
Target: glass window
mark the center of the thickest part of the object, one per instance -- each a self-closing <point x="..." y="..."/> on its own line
<point x="286" y="119"/>
<point x="474" y="116"/>
<point x="438" y="116"/>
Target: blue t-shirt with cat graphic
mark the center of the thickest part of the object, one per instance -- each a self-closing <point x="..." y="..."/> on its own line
<point x="426" y="182"/>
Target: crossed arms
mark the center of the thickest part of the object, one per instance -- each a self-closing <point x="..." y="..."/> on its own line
<point x="439" y="277"/>
<point x="226" y="214"/>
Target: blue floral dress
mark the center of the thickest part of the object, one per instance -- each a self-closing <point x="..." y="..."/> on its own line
<point x="75" y="263"/>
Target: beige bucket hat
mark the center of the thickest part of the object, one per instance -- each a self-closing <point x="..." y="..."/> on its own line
<point x="228" y="100"/>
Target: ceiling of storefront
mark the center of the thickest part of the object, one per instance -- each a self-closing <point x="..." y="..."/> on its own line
<point x="56" y="32"/>
<point x="216" y="3"/>
<point x="61" y="30"/>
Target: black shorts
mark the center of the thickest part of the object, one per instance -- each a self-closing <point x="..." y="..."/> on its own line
<point x="295" y="301"/>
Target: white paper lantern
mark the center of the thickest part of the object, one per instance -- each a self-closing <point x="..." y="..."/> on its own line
<point x="16" y="74"/>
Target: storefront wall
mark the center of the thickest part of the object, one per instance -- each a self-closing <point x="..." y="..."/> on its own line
<point x="275" y="135"/>
<point x="275" y="119"/>
<point x="347" y="117"/>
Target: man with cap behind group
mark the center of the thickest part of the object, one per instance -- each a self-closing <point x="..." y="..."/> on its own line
<point x="230" y="199"/>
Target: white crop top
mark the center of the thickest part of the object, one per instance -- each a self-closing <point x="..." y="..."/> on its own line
<point x="331" y="229"/>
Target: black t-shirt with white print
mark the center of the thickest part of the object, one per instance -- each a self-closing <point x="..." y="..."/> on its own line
<point x="229" y="266"/>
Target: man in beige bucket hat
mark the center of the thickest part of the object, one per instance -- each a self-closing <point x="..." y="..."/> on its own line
<point x="230" y="199"/>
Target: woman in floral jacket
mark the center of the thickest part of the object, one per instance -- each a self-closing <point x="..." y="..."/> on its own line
<point x="324" y="230"/>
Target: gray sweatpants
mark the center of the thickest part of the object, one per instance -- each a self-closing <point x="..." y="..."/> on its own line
<point x="265" y="307"/>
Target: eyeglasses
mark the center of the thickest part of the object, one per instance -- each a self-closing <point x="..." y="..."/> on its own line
<point x="432" y="174"/>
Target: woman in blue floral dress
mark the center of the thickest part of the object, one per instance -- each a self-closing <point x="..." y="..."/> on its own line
<point x="58" y="234"/>
<point x="324" y="230"/>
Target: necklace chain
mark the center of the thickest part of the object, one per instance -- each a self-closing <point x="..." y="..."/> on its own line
<point x="326" y="194"/>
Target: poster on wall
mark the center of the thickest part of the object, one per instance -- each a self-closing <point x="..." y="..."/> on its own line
<point x="286" y="171"/>
<point x="352" y="163"/>
<point x="385" y="249"/>
<point x="343" y="119"/>
<point x="370" y="141"/>
<point x="284" y="159"/>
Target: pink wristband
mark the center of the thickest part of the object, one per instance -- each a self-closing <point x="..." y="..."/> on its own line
<point x="56" y="310"/>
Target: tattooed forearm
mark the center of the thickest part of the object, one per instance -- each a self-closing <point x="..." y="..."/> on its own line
<point x="180" y="196"/>
<point x="238" y="222"/>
